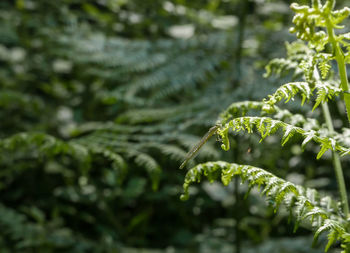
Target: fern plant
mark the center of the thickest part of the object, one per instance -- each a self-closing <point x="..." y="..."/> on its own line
<point x="68" y="56"/>
<point x="311" y="59"/>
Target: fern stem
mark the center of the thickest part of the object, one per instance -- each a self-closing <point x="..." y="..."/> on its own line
<point x="339" y="56"/>
<point x="335" y="157"/>
<point x="345" y="87"/>
<point x="336" y="163"/>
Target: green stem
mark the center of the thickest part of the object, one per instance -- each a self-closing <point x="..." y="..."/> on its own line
<point x="339" y="56"/>
<point x="337" y="164"/>
<point x="336" y="159"/>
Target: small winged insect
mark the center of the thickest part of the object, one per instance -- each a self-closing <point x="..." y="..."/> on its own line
<point x="194" y="151"/>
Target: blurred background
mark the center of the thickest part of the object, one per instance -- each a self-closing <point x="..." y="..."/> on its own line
<point x="100" y="100"/>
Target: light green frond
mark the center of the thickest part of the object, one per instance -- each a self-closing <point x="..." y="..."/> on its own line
<point x="324" y="64"/>
<point x="279" y="66"/>
<point x="335" y="229"/>
<point x="239" y="109"/>
<point x="267" y="126"/>
<point x="325" y="91"/>
<point x="287" y="92"/>
<point x="307" y="204"/>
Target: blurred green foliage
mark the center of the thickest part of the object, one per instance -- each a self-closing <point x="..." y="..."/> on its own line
<point x="99" y="103"/>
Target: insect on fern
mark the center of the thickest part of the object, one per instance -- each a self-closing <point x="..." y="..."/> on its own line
<point x="194" y="151"/>
<point x="311" y="59"/>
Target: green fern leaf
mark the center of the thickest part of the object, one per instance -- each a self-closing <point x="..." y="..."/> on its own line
<point x="267" y="126"/>
<point x="304" y="200"/>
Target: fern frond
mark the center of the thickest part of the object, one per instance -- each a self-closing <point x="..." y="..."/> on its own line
<point x="151" y="165"/>
<point x="174" y="152"/>
<point x="298" y="54"/>
<point x="183" y="80"/>
<point x="324" y="64"/>
<point x="289" y="91"/>
<point x="275" y="188"/>
<point x="325" y="91"/>
<point x="335" y="231"/>
<point x="118" y="162"/>
<point x="148" y="72"/>
<point x="239" y="109"/>
<point x="267" y="126"/>
<point x="280" y="65"/>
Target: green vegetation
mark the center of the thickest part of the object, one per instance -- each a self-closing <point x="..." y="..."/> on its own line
<point x="100" y="101"/>
<point x="308" y="60"/>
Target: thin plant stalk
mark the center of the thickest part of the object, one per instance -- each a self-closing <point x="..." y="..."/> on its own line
<point x="339" y="56"/>
<point x="335" y="157"/>
<point x="344" y="83"/>
<point x="337" y="164"/>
